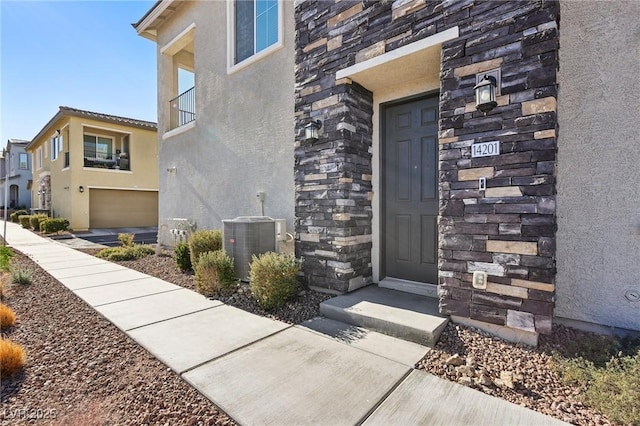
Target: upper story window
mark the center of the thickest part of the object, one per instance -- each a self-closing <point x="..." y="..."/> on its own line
<point x="56" y="146"/>
<point x="107" y="152"/>
<point x="23" y="161"/>
<point x="256" y="29"/>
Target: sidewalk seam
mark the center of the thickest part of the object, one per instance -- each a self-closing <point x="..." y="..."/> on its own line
<point x="385" y="397"/>
<point x="123" y="268"/>
<point x="162" y="320"/>
<point x="100" y="285"/>
<point x="321" y="334"/>
<point x="125" y="300"/>
<point x="181" y="373"/>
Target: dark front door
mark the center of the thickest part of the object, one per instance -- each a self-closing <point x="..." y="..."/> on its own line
<point x="410" y="190"/>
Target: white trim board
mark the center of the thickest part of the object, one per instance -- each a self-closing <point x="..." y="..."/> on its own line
<point x="119" y="188"/>
<point x="398" y="53"/>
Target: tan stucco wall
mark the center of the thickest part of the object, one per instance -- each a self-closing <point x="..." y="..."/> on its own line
<point x="242" y="141"/>
<point x="598" y="202"/>
<point x="66" y="199"/>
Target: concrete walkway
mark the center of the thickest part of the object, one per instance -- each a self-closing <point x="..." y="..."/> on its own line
<point x="261" y="371"/>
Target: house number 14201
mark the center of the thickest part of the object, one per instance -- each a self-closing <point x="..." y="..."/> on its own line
<point x="485" y="149"/>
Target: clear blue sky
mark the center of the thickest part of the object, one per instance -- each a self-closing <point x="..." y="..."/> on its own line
<point x="81" y="54"/>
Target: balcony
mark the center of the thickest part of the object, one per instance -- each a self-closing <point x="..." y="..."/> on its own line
<point x="102" y="161"/>
<point x="182" y="109"/>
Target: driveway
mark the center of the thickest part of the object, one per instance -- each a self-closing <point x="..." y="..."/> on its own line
<point x="109" y="236"/>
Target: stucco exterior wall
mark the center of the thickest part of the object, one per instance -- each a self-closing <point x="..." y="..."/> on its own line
<point x="242" y="141"/>
<point x="598" y="202"/>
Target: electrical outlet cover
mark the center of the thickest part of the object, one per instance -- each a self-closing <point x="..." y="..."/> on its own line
<point x="479" y="280"/>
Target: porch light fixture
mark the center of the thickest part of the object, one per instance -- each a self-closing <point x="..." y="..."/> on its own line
<point x="486" y="94"/>
<point x="311" y="130"/>
<point x="81" y="188"/>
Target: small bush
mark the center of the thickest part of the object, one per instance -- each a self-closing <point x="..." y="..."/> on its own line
<point x="5" y="257"/>
<point x="7" y="316"/>
<point x="12" y="357"/>
<point x="273" y="279"/>
<point x="133" y="252"/>
<point x="36" y="219"/>
<point x="15" y="215"/>
<point x="21" y="276"/>
<point x="204" y="241"/>
<point x="126" y="239"/>
<point x="25" y="221"/>
<point x="183" y="256"/>
<point x="214" y="273"/>
<point x="51" y="226"/>
<point x="609" y="368"/>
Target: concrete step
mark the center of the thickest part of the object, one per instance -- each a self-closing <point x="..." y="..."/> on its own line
<point x="407" y="316"/>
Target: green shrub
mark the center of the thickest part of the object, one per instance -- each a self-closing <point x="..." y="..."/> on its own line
<point x="36" y="220"/>
<point x="5" y="258"/>
<point x="183" y="256"/>
<point x="214" y="273"/>
<point x="51" y="225"/>
<point x="609" y="368"/>
<point x="15" y="215"/>
<point x="613" y="389"/>
<point x="21" y="276"/>
<point x="126" y="239"/>
<point x="204" y="241"/>
<point x="25" y="221"/>
<point x="133" y="252"/>
<point x="273" y="279"/>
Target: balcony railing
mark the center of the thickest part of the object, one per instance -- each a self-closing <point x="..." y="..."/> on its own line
<point x="182" y="109"/>
<point x="106" y="161"/>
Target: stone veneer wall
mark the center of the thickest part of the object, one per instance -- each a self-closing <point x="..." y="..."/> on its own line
<point x="507" y="230"/>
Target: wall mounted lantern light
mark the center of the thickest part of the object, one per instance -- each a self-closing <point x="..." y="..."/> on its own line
<point x="81" y="188"/>
<point x="486" y="94"/>
<point x="312" y="129"/>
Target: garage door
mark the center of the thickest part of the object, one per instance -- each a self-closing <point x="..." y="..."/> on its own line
<point x="111" y="208"/>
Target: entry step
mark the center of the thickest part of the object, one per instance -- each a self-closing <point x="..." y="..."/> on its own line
<point x="406" y="316"/>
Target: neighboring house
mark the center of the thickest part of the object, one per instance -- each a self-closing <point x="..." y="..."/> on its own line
<point x="97" y="170"/>
<point x="391" y="192"/>
<point x="19" y="175"/>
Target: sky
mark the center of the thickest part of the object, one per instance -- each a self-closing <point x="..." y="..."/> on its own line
<point x="80" y="54"/>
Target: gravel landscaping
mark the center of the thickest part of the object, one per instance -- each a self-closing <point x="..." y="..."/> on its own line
<point x="90" y="373"/>
<point x="516" y="373"/>
<point x="81" y="370"/>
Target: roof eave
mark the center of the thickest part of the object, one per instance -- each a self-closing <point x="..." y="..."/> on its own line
<point x="71" y="112"/>
<point x="145" y="26"/>
<point x="45" y="129"/>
